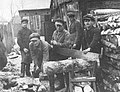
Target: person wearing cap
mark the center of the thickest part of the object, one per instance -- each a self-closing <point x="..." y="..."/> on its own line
<point x="91" y="41"/>
<point x="60" y="35"/>
<point x="76" y="31"/>
<point x="23" y="42"/>
<point x="59" y="39"/>
<point x="39" y="50"/>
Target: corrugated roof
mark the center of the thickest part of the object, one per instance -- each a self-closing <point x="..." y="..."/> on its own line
<point x="34" y="4"/>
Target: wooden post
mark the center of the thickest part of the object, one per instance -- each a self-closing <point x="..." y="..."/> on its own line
<point x="67" y="22"/>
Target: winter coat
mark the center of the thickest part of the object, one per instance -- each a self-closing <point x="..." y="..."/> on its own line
<point x="92" y="39"/>
<point x="23" y="38"/>
<point x="23" y="42"/>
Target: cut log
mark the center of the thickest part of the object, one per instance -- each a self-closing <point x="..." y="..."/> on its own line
<point x="66" y="65"/>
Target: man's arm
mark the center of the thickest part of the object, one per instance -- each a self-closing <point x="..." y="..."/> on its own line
<point x="19" y="40"/>
<point x="31" y="47"/>
<point x="65" y="43"/>
<point x="96" y="38"/>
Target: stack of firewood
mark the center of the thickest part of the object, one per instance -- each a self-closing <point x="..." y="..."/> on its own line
<point x="111" y="56"/>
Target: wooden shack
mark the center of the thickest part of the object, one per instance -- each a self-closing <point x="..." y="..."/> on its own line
<point x="39" y="17"/>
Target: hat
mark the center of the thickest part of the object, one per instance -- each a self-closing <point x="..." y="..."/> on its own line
<point x="24" y="20"/>
<point x="89" y="17"/>
<point x="71" y="14"/>
<point x="60" y="21"/>
<point x="34" y="35"/>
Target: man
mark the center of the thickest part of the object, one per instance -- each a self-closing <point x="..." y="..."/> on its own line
<point x="76" y="31"/>
<point x="39" y="50"/>
<point x="23" y="42"/>
<point x="59" y="39"/>
<point x="3" y="58"/>
<point x="91" y="41"/>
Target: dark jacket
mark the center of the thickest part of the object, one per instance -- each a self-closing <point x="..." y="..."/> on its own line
<point x="23" y="38"/>
<point x="92" y="39"/>
<point x="23" y="42"/>
<point x="76" y="33"/>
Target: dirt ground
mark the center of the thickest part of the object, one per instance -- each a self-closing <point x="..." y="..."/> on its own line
<point x="12" y="73"/>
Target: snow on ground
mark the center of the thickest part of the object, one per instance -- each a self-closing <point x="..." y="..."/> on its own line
<point x="12" y="72"/>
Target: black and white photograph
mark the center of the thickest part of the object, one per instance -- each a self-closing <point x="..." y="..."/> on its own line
<point x="60" y="46"/>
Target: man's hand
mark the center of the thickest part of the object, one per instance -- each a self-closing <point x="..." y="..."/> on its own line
<point x="25" y="50"/>
<point x="53" y="42"/>
<point x="86" y="50"/>
<point x="74" y="45"/>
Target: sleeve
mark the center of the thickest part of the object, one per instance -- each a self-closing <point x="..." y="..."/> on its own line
<point x="53" y="36"/>
<point x="31" y="47"/>
<point x="96" y="38"/>
<point x="19" y="40"/>
<point x="65" y="43"/>
<point x="46" y="51"/>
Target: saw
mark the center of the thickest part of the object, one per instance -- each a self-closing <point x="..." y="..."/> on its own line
<point x="76" y="53"/>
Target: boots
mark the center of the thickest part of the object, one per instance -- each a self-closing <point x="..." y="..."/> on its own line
<point x="22" y="70"/>
<point x="60" y="77"/>
<point x="28" y="70"/>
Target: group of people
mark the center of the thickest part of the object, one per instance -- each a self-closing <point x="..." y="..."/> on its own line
<point x="33" y="48"/>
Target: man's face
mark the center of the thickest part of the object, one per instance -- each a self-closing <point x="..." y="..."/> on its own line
<point x="59" y="27"/>
<point x="71" y="18"/>
<point x="35" y="41"/>
<point x="88" y="23"/>
<point x="24" y="24"/>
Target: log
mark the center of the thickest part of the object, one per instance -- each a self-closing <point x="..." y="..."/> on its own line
<point x="68" y="65"/>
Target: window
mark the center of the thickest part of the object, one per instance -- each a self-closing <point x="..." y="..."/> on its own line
<point x="35" y="22"/>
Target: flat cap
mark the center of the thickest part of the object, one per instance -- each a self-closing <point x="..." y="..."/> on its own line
<point x="89" y="17"/>
<point x="71" y="14"/>
<point x="24" y="19"/>
<point x="60" y="20"/>
<point x="34" y="35"/>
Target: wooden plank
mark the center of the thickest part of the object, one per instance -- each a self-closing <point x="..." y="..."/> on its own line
<point x="83" y="79"/>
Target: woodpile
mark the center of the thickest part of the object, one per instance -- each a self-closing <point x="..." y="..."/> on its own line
<point x="110" y="65"/>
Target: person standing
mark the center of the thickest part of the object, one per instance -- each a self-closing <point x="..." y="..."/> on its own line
<point x="91" y="41"/>
<point x="76" y="31"/>
<point x="39" y="50"/>
<point x="23" y="42"/>
<point x="3" y="58"/>
<point x="60" y="39"/>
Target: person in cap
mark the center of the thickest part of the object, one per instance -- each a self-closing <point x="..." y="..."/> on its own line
<point x="91" y="41"/>
<point x="23" y="42"/>
<point x="59" y="39"/>
<point x="60" y="35"/>
<point x="39" y="50"/>
<point x="76" y="31"/>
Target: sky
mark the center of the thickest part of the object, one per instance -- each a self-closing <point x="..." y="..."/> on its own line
<point x="9" y="8"/>
<point x="6" y="6"/>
